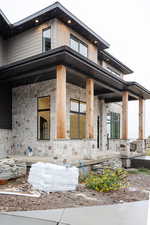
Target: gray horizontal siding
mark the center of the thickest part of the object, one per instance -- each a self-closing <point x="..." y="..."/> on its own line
<point x="29" y="43"/>
<point x="26" y="44"/>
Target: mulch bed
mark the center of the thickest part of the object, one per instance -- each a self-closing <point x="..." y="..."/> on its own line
<point x="139" y="184"/>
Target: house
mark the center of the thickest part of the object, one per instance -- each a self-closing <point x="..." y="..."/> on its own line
<point x="62" y="95"/>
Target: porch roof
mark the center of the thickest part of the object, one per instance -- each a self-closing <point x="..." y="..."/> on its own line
<point x="42" y="67"/>
<point x="104" y="55"/>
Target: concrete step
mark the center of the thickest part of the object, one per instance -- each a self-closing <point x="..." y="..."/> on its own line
<point x="141" y="162"/>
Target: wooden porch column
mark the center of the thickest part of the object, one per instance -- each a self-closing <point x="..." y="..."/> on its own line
<point x="141" y="119"/>
<point x="125" y="115"/>
<point x="60" y="101"/>
<point x="89" y="108"/>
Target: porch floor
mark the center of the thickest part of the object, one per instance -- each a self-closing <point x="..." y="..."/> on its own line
<point x="29" y="160"/>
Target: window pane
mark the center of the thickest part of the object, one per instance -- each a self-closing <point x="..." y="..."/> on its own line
<point x="118" y="126"/>
<point x="83" y="49"/>
<point x="82" y="126"/>
<point x="74" y="44"/>
<point x="82" y="107"/>
<point x="74" y="126"/>
<point x="78" y="46"/>
<point x="109" y="125"/>
<point x="46" y="39"/>
<point x="115" y="125"/>
<point x="44" y="125"/>
<point x="44" y="103"/>
<point x="74" y="106"/>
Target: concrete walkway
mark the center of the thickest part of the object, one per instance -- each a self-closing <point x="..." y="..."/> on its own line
<point x="134" y="213"/>
<point x="21" y="220"/>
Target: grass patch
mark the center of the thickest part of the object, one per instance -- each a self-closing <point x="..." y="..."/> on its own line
<point x="135" y="171"/>
<point x="148" y="152"/>
<point x="144" y="170"/>
<point x="139" y="171"/>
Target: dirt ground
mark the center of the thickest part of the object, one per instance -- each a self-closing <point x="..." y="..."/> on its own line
<point x="138" y="190"/>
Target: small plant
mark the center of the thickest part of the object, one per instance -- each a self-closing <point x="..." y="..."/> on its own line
<point x="110" y="180"/>
<point x="82" y="179"/>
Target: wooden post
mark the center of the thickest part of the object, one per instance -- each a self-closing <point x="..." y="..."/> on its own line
<point x="90" y="108"/>
<point x="141" y="119"/>
<point x="125" y="115"/>
<point x="60" y="101"/>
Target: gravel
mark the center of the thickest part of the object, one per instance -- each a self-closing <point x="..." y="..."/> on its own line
<point x="139" y="185"/>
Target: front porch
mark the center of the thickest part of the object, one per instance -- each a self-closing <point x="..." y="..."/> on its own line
<point x="64" y="75"/>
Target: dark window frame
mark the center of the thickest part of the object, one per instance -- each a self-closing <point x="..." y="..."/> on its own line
<point x="114" y="125"/>
<point x="43" y="47"/>
<point x="78" y="113"/>
<point x="73" y="37"/>
<point x="42" y="110"/>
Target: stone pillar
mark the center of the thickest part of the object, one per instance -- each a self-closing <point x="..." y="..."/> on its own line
<point x="89" y="108"/>
<point x="141" y="119"/>
<point x="60" y="101"/>
<point x="125" y="115"/>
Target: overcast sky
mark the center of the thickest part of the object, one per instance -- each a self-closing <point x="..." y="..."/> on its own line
<point x="125" y="24"/>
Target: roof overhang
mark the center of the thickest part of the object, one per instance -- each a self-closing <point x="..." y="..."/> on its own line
<point x="104" y="55"/>
<point x="5" y="25"/>
<point x="108" y="85"/>
<point x="56" y="10"/>
<point x="139" y="89"/>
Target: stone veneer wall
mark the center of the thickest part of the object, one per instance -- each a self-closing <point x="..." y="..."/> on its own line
<point x="24" y="119"/>
<point x="5" y="142"/>
<point x="24" y="133"/>
<point x="24" y="123"/>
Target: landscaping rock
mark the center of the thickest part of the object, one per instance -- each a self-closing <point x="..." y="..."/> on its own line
<point x="11" y="168"/>
<point x="113" y="163"/>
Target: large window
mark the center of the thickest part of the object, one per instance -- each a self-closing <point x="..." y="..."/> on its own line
<point x="44" y="118"/>
<point x="78" y="46"/>
<point x="113" y="125"/>
<point x="46" y="42"/>
<point x="77" y="119"/>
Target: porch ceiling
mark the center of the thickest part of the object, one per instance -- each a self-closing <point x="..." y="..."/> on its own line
<point x="42" y="67"/>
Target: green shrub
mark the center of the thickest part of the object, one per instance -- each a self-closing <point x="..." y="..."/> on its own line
<point x="110" y="180"/>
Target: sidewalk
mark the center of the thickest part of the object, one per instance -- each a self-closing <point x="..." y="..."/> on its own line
<point x="21" y="220"/>
<point x="134" y="213"/>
